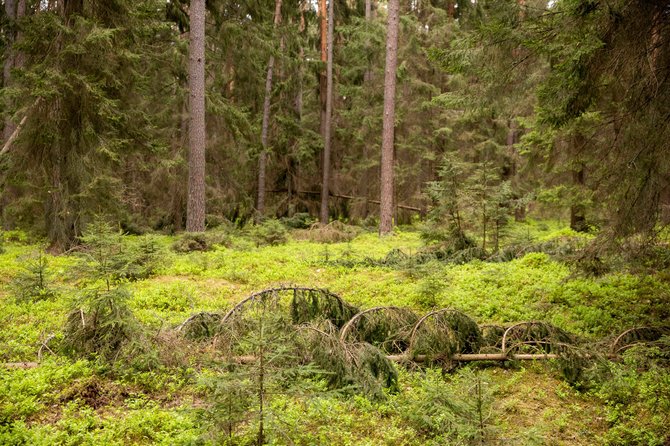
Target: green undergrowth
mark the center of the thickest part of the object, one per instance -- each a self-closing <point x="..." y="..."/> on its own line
<point x="88" y="401"/>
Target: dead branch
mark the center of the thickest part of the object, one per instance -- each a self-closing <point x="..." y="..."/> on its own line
<point x="13" y="136"/>
<point x="43" y="346"/>
<point x="17" y="130"/>
<point x="20" y="365"/>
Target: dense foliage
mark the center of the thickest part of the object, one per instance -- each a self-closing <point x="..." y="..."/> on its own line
<point x="502" y="107"/>
<point x="524" y="147"/>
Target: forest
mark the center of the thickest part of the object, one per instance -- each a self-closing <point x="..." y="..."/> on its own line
<point x="335" y="222"/>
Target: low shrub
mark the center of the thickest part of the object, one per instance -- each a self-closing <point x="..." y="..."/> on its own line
<point x="636" y="394"/>
<point x="269" y="232"/>
<point x="300" y="220"/>
<point x="200" y="241"/>
<point x="334" y="232"/>
<point x="101" y="325"/>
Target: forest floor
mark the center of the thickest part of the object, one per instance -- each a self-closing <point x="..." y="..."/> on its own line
<point x="82" y="401"/>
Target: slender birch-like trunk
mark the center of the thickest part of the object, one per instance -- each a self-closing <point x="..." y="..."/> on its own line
<point x="262" y="158"/>
<point x="328" y="124"/>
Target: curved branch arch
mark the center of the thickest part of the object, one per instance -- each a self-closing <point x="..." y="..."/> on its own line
<point x="536" y="333"/>
<point x="276" y="293"/>
<point x="395" y="320"/>
<point x="635" y="336"/>
<point x="462" y="333"/>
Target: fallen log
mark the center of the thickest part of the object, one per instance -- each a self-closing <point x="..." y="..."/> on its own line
<point x="20" y="365"/>
<point x="421" y="211"/>
<point x="459" y="357"/>
<point x="468" y="357"/>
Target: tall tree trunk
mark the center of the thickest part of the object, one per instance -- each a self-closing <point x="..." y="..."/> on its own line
<point x="329" y="112"/>
<point x="386" y="206"/>
<point x="324" y="57"/>
<point x="262" y="158"/>
<point x="367" y="77"/>
<point x="19" y="57"/>
<point x="195" y="207"/>
<point x="293" y="166"/>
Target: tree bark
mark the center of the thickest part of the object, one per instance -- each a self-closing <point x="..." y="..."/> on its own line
<point x="367" y="77"/>
<point x="386" y="207"/>
<point x="195" y="207"/>
<point x="328" y="124"/>
<point x="293" y="165"/>
<point x="262" y="158"/>
<point x="324" y="57"/>
<point x="19" y="57"/>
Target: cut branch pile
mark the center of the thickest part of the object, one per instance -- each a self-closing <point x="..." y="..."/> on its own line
<point x="358" y="347"/>
<point x="444" y="337"/>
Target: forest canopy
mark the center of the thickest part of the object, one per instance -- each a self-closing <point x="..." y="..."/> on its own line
<point x="500" y="107"/>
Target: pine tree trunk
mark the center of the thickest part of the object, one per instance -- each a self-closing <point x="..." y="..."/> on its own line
<point x="262" y="158"/>
<point x="195" y="207"/>
<point x="386" y="207"/>
<point x="292" y="164"/>
<point x="328" y="124"/>
<point x="324" y="57"/>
